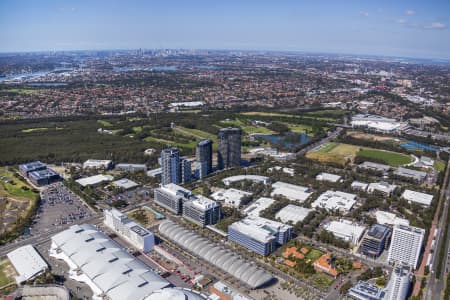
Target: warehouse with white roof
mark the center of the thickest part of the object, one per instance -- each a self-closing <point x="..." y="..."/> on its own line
<point x="109" y="270"/>
<point x="324" y="176"/>
<point x="94" y="180"/>
<point x="27" y="262"/>
<point x="417" y="197"/>
<point x="387" y="218"/>
<point x="254" y="178"/>
<point x="230" y="197"/>
<point x="293" y="213"/>
<point x="290" y="191"/>
<point x="335" y="200"/>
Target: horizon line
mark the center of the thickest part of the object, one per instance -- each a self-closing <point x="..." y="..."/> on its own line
<point x="442" y="59"/>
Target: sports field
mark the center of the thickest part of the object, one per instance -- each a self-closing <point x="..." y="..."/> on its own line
<point x="334" y="153"/>
<point x="345" y="153"/>
<point x="390" y="158"/>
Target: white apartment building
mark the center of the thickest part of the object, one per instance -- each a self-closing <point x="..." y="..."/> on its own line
<point x="406" y="243"/>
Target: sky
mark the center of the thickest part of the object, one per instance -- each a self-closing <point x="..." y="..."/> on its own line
<point x="409" y="28"/>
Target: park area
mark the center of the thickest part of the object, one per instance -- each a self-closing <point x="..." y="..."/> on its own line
<point x="17" y="200"/>
<point x="7" y="273"/>
<point x="343" y="154"/>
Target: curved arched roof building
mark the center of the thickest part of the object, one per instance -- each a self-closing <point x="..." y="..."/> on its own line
<point x="222" y="258"/>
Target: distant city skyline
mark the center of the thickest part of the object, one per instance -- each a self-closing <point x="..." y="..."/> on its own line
<point x="387" y="28"/>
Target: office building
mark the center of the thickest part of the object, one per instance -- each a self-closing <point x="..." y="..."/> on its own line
<point x="417" y="197"/>
<point x="203" y="155"/>
<point x="170" y="166"/>
<point x="134" y="233"/>
<point x="415" y="175"/>
<point x="43" y="177"/>
<point x="375" y="240"/>
<point x="382" y="188"/>
<point x="259" y="235"/>
<point x="399" y="283"/>
<point x="258" y="206"/>
<point x="25" y="169"/>
<point x="387" y="218"/>
<point x="94" y="180"/>
<point x="346" y="230"/>
<point x="97" y="164"/>
<point x="255" y="178"/>
<point x="292" y="213"/>
<point x="335" y="200"/>
<point x="323" y="176"/>
<point x="131" y="167"/>
<point x="230" y="197"/>
<point x="229" y="148"/>
<point x="406" y="244"/>
<point x="172" y="196"/>
<point x="186" y="171"/>
<point x="202" y="211"/>
<point x="290" y="191"/>
<point x="365" y="291"/>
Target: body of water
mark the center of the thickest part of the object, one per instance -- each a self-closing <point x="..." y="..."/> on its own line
<point x="412" y="145"/>
<point x="290" y="140"/>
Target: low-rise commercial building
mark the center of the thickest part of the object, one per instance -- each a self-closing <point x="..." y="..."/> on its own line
<point x="335" y="200"/>
<point x="230" y="197"/>
<point x="346" y="230"/>
<point x="368" y="165"/>
<point x="131" y="167"/>
<point x="254" y="178"/>
<point x="290" y="191"/>
<point x="125" y="184"/>
<point x="382" y="187"/>
<point x="293" y="214"/>
<point x="134" y="233"/>
<point x="43" y="177"/>
<point x="387" y="218"/>
<point x="328" y="177"/>
<point x="25" y="169"/>
<point x="258" y="206"/>
<point x="418" y="176"/>
<point x="259" y="235"/>
<point x="417" y="197"/>
<point x="359" y="186"/>
<point x="94" y="180"/>
<point x="97" y="164"/>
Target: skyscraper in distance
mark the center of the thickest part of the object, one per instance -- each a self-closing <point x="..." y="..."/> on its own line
<point x="229" y="148"/>
<point x="170" y="166"/>
<point x="203" y="154"/>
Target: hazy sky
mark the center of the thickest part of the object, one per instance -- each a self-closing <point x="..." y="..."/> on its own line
<point x="416" y="28"/>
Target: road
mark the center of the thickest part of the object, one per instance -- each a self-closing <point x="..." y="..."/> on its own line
<point x="44" y="237"/>
<point x="326" y="139"/>
<point x="435" y="283"/>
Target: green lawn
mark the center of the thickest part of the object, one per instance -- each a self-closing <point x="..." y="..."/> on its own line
<point x="391" y="158"/>
<point x="137" y="129"/>
<point x="4" y="278"/>
<point x="313" y="254"/>
<point x="16" y="188"/>
<point x="439" y="165"/>
<point x="322" y="280"/>
<point x="300" y="128"/>
<point x="247" y="129"/>
<point x="105" y="123"/>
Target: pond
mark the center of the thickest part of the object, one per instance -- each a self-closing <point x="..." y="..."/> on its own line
<point x="290" y="140"/>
